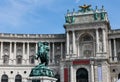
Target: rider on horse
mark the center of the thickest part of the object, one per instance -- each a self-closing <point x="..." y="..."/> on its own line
<point x="42" y="53"/>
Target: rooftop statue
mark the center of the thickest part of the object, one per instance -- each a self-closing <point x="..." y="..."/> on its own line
<point x="69" y="19"/>
<point x="85" y="8"/>
<point x="42" y="69"/>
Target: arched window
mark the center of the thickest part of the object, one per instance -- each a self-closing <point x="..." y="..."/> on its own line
<point x="18" y="78"/>
<point x="4" y="78"/>
<point x="82" y="75"/>
<point x="86" y="45"/>
<point x="87" y="37"/>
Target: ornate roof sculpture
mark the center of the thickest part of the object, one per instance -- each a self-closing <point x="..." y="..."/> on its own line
<point x="86" y="15"/>
<point x="85" y="8"/>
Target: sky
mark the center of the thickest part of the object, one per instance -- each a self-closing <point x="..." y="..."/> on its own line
<point x="47" y="16"/>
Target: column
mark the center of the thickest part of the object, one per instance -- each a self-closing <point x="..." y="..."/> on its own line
<point x="53" y="53"/>
<point x="68" y="45"/>
<point x="11" y="49"/>
<point x="97" y="41"/>
<point x="28" y="47"/>
<point x="61" y="50"/>
<point x="74" y="46"/>
<point x="23" y="54"/>
<point x="14" y="52"/>
<point x="1" y="49"/>
<point x="71" y="74"/>
<point x="61" y="72"/>
<point x="115" y="54"/>
<point x="110" y="50"/>
<point x="96" y="73"/>
<point x="49" y="52"/>
<point x="36" y="50"/>
<point x="23" y="49"/>
<point x="78" y="49"/>
<point x="104" y="41"/>
<point x="92" y="72"/>
<point x="10" y="53"/>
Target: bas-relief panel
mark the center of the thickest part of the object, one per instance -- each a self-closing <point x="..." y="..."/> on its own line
<point x="84" y="19"/>
<point x="86" y="26"/>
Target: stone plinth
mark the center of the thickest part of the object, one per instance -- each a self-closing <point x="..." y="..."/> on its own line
<point x="41" y="79"/>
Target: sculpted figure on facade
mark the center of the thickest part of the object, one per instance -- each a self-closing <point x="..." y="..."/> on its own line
<point x="85" y="8"/>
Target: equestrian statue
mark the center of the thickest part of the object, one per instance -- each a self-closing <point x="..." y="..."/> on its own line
<point x="42" y="54"/>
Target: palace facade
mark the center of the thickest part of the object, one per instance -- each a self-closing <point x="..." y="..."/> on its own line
<point x="89" y="51"/>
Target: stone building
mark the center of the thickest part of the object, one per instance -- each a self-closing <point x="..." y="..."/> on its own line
<point x="89" y="51"/>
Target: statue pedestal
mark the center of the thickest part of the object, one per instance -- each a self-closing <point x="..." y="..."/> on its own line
<point x="41" y="79"/>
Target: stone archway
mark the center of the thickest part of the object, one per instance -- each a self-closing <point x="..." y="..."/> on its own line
<point x="82" y="75"/>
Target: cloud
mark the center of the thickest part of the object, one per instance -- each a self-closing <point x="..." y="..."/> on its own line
<point x="14" y="12"/>
<point x="77" y="1"/>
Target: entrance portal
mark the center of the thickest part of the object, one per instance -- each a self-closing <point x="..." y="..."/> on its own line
<point x="82" y="75"/>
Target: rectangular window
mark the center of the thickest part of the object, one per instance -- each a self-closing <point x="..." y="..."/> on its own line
<point x="5" y="59"/>
<point x="32" y="60"/>
<point x="19" y="60"/>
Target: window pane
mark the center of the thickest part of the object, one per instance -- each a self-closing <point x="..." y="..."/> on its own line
<point x="5" y="59"/>
<point x="18" y="78"/>
<point x="19" y="60"/>
<point x="4" y="78"/>
<point x="32" y="59"/>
